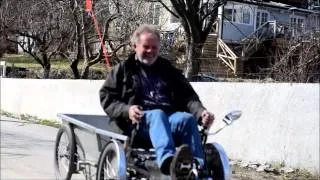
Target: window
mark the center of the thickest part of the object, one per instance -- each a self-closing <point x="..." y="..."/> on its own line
<point x="154" y="14"/>
<point x="296" y="22"/>
<point x="297" y="25"/>
<point x="238" y="13"/>
<point x="293" y="21"/>
<point x="261" y="18"/>
<point x="264" y="17"/>
<point x="228" y="14"/>
<point x="246" y="16"/>
<point x="300" y="22"/>
<point x="258" y="18"/>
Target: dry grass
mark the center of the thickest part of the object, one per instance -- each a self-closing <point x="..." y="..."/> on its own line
<point x="26" y="61"/>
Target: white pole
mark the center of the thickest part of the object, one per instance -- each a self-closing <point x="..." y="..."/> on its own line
<point x="3" y="64"/>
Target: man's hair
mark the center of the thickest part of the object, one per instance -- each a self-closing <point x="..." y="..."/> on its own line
<point x="145" y="28"/>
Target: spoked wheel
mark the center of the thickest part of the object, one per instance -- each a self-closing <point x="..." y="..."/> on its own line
<point x="112" y="162"/>
<point x="217" y="162"/>
<point x="64" y="155"/>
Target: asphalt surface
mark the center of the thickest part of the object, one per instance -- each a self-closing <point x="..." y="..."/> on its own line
<point x="27" y="150"/>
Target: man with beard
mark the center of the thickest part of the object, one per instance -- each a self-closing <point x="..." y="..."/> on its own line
<point x="147" y="90"/>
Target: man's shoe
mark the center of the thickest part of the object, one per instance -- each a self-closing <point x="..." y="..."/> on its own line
<point x="181" y="164"/>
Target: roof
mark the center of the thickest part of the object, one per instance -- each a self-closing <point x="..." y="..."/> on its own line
<point x="277" y="5"/>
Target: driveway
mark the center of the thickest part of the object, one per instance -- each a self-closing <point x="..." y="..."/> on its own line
<point x="27" y="150"/>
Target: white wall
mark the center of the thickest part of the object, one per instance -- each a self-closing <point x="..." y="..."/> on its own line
<point x="280" y="122"/>
<point x="46" y="98"/>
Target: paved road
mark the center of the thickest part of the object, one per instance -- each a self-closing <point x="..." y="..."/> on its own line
<point x="26" y="150"/>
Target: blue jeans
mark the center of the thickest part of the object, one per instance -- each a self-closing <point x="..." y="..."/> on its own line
<point x="167" y="131"/>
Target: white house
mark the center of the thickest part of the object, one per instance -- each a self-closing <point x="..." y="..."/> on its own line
<point x="239" y="19"/>
<point x="246" y="24"/>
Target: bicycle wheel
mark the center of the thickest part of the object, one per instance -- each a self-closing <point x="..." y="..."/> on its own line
<point x="112" y="162"/>
<point x="217" y="162"/>
<point x="64" y="155"/>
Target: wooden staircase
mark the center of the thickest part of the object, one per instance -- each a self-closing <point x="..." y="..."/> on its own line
<point x="208" y="57"/>
<point x="232" y="56"/>
<point x="219" y="62"/>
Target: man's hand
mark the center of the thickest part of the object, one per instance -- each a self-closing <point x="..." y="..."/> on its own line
<point x="207" y="118"/>
<point x="135" y="114"/>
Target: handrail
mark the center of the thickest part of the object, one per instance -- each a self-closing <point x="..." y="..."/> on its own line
<point x="257" y="36"/>
<point x="226" y="47"/>
<point x="257" y="30"/>
<point x="215" y="27"/>
<point x="227" y="56"/>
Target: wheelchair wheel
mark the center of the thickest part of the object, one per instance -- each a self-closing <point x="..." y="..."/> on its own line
<point x="112" y="162"/>
<point x="217" y="162"/>
<point x="64" y="155"/>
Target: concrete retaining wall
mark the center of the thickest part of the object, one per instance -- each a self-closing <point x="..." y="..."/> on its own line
<point x="280" y="122"/>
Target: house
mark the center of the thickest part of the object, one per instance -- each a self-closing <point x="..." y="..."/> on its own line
<point x="242" y="28"/>
<point x="168" y="24"/>
<point x="241" y="18"/>
<point x="245" y="27"/>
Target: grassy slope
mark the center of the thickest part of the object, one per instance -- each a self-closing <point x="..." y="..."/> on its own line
<point x="28" y="62"/>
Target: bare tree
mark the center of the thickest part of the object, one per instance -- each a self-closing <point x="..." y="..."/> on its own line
<point x="116" y="18"/>
<point x="34" y="26"/>
<point x="47" y="28"/>
<point x="2" y="46"/>
<point x="297" y="61"/>
<point x="197" y="18"/>
<point x="72" y="48"/>
<point x="119" y="18"/>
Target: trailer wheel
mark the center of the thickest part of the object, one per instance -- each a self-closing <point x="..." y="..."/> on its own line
<point x="112" y="162"/>
<point x="64" y="155"/>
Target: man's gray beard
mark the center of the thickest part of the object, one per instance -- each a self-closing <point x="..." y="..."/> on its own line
<point x="147" y="62"/>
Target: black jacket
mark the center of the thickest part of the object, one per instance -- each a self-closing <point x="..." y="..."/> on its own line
<point x="120" y="90"/>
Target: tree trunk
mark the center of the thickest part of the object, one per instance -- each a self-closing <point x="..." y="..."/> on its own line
<point x="85" y="71"/>
<point x="74" y="68"/>
<point x="46" y="65"/>
<point x="193" y="59"/>
<point x="46" y="71"/>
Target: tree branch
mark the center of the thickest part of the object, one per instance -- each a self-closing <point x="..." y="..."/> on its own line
<point x="167" y="8"/>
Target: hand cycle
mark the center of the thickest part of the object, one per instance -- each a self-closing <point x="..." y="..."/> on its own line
<point x="92" y="146"/>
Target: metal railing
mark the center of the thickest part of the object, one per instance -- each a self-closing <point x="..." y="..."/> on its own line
<point x="252" y="42"/>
